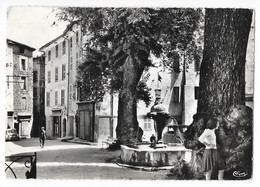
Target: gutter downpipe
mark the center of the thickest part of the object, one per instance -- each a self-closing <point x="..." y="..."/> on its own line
<point x="68" y="89"/>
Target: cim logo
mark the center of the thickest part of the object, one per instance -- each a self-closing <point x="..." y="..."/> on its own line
<point x="239" y="174"/>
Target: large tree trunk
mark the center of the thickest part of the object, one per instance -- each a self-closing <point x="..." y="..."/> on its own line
<point x="222" y="88"/>
<point x="222" y="74"/>
<point x="127" y="127"/>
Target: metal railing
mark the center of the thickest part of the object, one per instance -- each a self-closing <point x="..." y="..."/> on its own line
<point x="29" y="160"/>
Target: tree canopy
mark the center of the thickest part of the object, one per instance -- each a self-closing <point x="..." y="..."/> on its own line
<point x="119" y="48"/>
<point x="116" y="33"/>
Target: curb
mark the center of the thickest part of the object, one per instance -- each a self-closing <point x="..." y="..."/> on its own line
<point x="143" y="168"/>
<point x="65" y="139"/>
<point x="80" y="142"/>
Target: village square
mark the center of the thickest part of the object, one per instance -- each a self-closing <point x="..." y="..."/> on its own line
<point x="133" y="94"/>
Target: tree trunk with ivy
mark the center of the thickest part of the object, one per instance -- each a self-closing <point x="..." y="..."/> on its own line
<point x="222" y="82"/>
<point x="127" y="129"/>
<point x="222" y="91"/>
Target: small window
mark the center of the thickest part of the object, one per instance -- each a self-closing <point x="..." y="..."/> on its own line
<point x="49" y="55"/>
<point x="196" y="94"/>
<point x="57" y="51"/>
<point x="62" y="97"/>
<point x="23" y="103"/>
<point x="10" y="113"/>
<point x="64" y="47"/>
<point x="48" y="99"/>
<point x="56" y="97"/>
<point x="23" y="83"/>
<point x="56" y="74"/>
<point x="63" y="74"/>
<point x="49" y="76"/>
<point x="23" y="64"/>
<point x="35" y="76"/>
<point x="147" y="124"/>
<point x="176" y="93"/>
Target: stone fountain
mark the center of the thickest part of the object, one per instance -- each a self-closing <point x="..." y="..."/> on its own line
<point x="166" y="147"/>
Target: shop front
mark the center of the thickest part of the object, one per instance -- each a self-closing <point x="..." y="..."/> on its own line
<point x="56" y="123"/>
<point x="23" y="125"/>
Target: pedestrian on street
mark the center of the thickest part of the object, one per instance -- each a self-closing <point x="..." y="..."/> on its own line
<point x="211" y="158"/>
<point x="42" y="137"/>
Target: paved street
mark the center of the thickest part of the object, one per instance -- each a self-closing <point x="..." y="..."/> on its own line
<point x="66" y="160"/>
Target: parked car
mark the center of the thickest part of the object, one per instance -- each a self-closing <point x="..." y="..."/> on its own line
<point x="11" y="134"/>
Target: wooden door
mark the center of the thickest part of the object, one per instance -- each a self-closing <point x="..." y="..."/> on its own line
<point x="82" y="125"/>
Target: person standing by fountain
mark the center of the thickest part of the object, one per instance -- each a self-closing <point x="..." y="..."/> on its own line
<point x="211" y="158"/>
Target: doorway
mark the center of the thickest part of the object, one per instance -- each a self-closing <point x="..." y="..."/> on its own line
<point x="86" y="119"/>
<point x="64" y="127"/>
<point x="56" y="127"/>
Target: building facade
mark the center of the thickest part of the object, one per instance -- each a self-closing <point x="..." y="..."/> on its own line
<point x="66" y="115"/>
<point x="60" y="92"/>
<point x="177" y="89"/>
<point x="19" y="89"/>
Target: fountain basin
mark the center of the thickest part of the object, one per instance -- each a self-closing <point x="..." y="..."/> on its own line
<point x="147" y="156"/>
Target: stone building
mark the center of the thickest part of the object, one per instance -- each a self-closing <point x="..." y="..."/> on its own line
<point x="66" y="115"/>
<point x="61" y="57"/>
<point x="19" y="88"/>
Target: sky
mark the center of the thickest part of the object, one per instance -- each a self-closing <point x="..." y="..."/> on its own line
<point x="33" y="26"/>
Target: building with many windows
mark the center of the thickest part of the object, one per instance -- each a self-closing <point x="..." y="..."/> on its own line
<point x="65" y="114"/>
<point x="61" y="58"/>
<point x="19" y="89"/>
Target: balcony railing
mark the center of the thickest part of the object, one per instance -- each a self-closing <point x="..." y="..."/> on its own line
<point x="29" y="161"/>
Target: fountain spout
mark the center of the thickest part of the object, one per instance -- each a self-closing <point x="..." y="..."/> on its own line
<point x="161" y="117"/>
